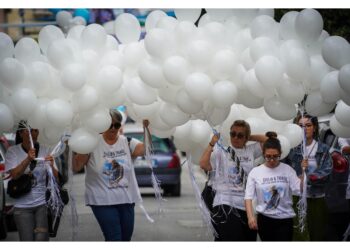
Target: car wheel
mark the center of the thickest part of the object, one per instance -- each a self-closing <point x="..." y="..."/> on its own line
<point x="176" y="189"/>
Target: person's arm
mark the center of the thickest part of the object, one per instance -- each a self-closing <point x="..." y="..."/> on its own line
<point x="204" y="161"/>
<point x="79" y="161"/>
<point x="140" y="147"/>
<point x="51" y="159"/>
<point x="22" y="166"/>
<point x="344" y="145"/>
<point x="325" y="165"/>
<point x="250" y="215"/>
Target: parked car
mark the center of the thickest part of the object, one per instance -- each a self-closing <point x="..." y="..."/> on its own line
<point x="338" y="206"/>
<point x="165" y="162"/>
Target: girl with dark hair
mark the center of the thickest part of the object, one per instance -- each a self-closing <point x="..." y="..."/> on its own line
<point x="272" y="185"/>
<point x="317" y="163"/>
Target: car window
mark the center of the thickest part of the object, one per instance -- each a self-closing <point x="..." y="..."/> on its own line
<point x="159" y="144"/>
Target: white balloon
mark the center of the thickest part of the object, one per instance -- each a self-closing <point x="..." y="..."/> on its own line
<point x="139" y="92"/>
<point x="27" y="50"/>
<point x="200" y="132"/>
<point x="111" y="43"/>
<point x="297" y="64"/>
<point x="186" y="103"/>
<point x="242" y="40"/>
<point x="85" y="99"/>
<point x="75" y="32"/>
<point x="309" y="25"/>
<point x="167" y="23"/>
<point x="108" y="79"/>
<point x="219" y="14"/>
<point x="50" y="135"/>
<point x="47" y="35"/>
<point x="38" y="118"/>
<point x="224" y="94"/>
<point x="168" y="93"/>
<point x="160" y="43"/>
<point x="77" y="20"/>
<point x="336" y="51"/>
<point x="6" y="118"/>
<point x="279" y="110"/>
<point x="176" y="69"/>
<point x="11" y="73"/>
<point x="264" y="26"/>
<point x="246" y="59"/>
<point x="83" y="141"/>
<point x="318" y="70"/>
<point x="269" y="71"/>
<point x="215" y="34"/>
<point x="114" y="99"/>
<point x="342" y="114"/>
<point x="218" y="116"/>
<point x="134" y="53"/>
<point x="290" y="91"/>
<point x="61" y="52"/>
<point x="190" y="15"/>
<point x="199" y="53"/>
<point x="185" y="32"/>
<point x="293" y="133"/>
<point x="127" y="28"/>
<point x="344" y="78"/>
<point x="63" y="19"/>
<point x="59" y="112"/>
<point x="153" y="18"/>
<point x="73" y="76"/>
<point x="151" y="73"/>
<point x="223" y="64"/>
<point x="115" y="58"/>
<point x="254" y="86"/>
<point x="163" y="133"/>
<point x="6" y="46"/>
<point x="198" y="86"/>
<point x="94" y="37"/>
<point x="262" y="46"/>
<point x="329" y="87"/>
<point x="315" y="105"/>
<point x="146" y="111"/>
<point x="287" y="25"/>
<point x="285" y="145"/>
<point x="23" y="102"/>
<point x="40" y="77"/>
<point x="97" y="120"/>
<point x="172" y="115"/>
<point x="249" y="100"/>
<point x="338" y="129"/>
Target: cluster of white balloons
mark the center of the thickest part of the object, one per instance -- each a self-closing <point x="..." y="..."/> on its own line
<point x="183" y="78"/>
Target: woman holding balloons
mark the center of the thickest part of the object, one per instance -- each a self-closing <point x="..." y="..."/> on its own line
<point x="315" y="158"/>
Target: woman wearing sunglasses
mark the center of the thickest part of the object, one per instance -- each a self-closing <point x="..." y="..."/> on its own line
<point x="228" y="177"/>
<point x="111" y="188"/>
<point x="272" y="185"/>
<point x="318" y="165"/>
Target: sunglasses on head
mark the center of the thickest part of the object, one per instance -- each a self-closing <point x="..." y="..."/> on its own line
<point x="116" y="125"/>
<point x="234" y="134"/>
<point x="272" y="157"/>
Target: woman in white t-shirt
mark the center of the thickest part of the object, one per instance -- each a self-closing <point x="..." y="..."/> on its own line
<point x="30" y="210"/>
<point x="111" y="189"/>
<point x="230" y="170"/>
<point x="272" y="185"/>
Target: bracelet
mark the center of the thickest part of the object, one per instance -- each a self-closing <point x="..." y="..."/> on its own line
<point x="211" y="145"/>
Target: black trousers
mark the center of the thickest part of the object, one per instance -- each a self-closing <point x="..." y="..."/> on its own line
<point x="275" y="229"/>
<point x="230" y="226"/>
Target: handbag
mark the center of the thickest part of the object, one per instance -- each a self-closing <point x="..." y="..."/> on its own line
<point x="23" y="184"/>
<point x="208" y="195"/>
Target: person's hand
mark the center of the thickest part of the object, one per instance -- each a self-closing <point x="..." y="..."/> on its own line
<point x="51" y="159"/>
<point x="214" y="139"/>
<point x="145" y="123"/>
<point x="304" y="164"/>
<point x="253" y="225"/>
<point x="31" y="154"/>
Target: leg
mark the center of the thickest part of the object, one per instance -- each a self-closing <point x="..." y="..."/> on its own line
<point x="24" y="219"/>
<point x="317" y="218"/>
<point x="108" y="218"/>
<point x="265" y="228"/>
<point x="127" y="220"/>
<point x="41" y="225"/>
<point x="284" y="229"/>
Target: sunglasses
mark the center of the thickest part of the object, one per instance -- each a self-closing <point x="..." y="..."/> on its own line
<point x="272" y="157"/>
<point x="233" y="134"/>
<point x="308" y="125"/>
<point x="116" y="125"/>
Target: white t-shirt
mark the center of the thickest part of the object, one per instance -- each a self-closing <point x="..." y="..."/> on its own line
<point x="110" y="177"/>
<point x="229" y="179"/>
<point x="343" y="142"/>
<point x="36" y="197"/>
<point x="273" y="187"/>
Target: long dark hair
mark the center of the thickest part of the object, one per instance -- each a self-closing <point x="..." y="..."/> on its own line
<point x="314" y="121"/>
<point x="272" y="143"/>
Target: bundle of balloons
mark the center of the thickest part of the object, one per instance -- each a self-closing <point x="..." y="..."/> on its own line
<point x="186" y="79"/>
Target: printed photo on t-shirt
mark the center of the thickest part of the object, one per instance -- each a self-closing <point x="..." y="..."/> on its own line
<point x="114" y="174"/>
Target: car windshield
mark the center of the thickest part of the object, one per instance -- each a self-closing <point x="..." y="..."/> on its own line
<point x="159" y="144"/>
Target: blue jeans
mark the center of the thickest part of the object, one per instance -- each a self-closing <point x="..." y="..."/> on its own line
<point x="116" y="221"/>
<point x="32" y="223"/>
